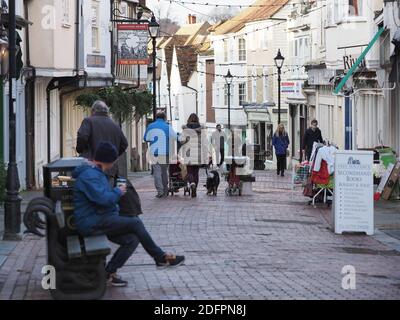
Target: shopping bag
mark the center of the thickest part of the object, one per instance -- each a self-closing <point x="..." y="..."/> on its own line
<point x="129" y="203"/>
<point x="308" y="189"/>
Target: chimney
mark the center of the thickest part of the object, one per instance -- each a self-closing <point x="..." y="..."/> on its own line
<point x="192" y="19"/>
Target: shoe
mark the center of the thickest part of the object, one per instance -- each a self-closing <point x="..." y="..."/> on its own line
<point x="159" y="195"/>
<point x="170" y="260"/>
<point x="282" y="174"/>
<point x="116" y="281"/>
<point x="193" y="190"/>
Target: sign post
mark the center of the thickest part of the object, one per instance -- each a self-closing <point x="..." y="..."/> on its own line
<point x="353" y="208"/>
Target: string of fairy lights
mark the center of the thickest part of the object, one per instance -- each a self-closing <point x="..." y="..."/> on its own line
<point x="257" y="29"/>
<point x="245" y="78"/>
<point x="240" y="6"/>
<point x="253" y="77"/>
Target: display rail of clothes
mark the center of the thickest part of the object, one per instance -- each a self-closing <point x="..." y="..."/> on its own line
<point x="322" y="172"/>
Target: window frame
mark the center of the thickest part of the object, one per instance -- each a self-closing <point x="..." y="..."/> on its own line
<point x="254" y="86"/>
<point x="242" y="93"/>
<point x="66" y="18"/>
<point x="226" y="50"/>
<point x="242" y="51"/>
<point x="265" y="86"/>
<point x="95" y="5"/>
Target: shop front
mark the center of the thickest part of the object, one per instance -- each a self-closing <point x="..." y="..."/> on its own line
<point x="260" y="132"/>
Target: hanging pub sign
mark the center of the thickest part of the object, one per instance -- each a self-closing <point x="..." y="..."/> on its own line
<point x="132" y="44"/>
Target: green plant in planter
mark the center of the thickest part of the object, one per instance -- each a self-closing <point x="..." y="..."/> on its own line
<point x="124" y="105"/>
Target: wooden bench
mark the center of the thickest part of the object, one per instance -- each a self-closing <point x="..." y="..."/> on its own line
<point x="78" y="246"/>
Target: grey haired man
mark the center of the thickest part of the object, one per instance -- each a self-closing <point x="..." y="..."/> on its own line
<point x="99" y="127"/>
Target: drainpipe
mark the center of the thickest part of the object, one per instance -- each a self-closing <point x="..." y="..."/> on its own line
<point x="49" y="88"/>
<point x="112" y="41"/>
<point x="29" y="110"/>
<point x="169" y="100"/>
<point x="77" y="16"/>
<point x="197" y="98"/>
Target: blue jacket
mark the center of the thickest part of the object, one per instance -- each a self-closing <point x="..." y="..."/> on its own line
<point x="159" y="133"/>
<point x="93" y="197"/>
<point x="280" y="143"/>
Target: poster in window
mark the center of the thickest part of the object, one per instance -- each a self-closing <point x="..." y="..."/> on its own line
<point x="132" y="44"/>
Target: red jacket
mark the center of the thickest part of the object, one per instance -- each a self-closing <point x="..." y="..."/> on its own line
<point x="322" y="176"/>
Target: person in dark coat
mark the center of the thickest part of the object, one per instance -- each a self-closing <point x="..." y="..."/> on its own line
<point x="218" y="140"/>
<point x="99" y="127"/>
<point x="281" y="142"/>
<point x="312" y="134"/>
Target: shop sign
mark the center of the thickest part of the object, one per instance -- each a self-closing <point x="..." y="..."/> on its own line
<point x="349" y="61"/>
<point x="132" y="44"/>
<point x="353" y="208"/>
<point x="287" y="86"/>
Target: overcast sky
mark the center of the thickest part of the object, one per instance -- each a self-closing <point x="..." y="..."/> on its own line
<point x="179" y="13"/>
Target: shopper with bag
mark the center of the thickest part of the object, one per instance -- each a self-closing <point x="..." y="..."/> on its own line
<point x="280" y="141"/>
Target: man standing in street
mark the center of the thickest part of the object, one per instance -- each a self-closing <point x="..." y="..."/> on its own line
<point x="99" y="127"/>
<point x="312" y="134"/>
<point x="218" y="139"/>
<point x="160" y="135"/>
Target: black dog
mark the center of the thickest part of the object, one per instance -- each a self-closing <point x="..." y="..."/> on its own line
<point x="212" y="182"/>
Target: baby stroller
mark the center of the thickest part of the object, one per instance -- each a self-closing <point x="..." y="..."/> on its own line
<point x="235" y="185"/>
<point x="177" y="179"/>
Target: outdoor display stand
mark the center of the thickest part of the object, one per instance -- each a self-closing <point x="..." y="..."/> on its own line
<point x="353" y="207"/>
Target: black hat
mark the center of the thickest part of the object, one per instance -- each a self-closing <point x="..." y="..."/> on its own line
<point x="106" y="153"/>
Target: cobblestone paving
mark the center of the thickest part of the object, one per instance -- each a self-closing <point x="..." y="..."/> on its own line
<point x="265" y="246"/>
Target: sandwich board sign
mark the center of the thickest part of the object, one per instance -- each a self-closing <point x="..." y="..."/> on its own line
<point x="353" y="207"/>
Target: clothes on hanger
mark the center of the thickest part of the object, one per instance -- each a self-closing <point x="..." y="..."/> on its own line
<point x="327" y="154"/>
<point x="322" y="175"/>
<point x="316" y="146"/>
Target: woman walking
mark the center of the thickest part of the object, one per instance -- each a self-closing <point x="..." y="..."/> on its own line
<point x="192" y="151"/>
<point x="280" y="141"/>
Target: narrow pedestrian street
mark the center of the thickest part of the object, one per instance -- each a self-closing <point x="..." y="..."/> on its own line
<point x="265" y="246"/>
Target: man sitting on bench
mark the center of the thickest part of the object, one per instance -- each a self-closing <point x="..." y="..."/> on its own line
<point x="96" y="212"/>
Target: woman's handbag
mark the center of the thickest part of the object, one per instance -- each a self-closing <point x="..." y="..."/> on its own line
<point x="287" y="153"/>
<point x="129" y="203"/>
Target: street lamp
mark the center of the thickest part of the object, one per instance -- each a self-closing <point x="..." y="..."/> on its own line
<point x="12" y="203"/>
<point x="228" y="80"/>
<point x="279" y="63"/>
<point x="3" y="56"/>
<point x="154" y="29"/>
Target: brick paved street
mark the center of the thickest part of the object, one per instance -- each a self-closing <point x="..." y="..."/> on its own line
<point x="265" y="246"/>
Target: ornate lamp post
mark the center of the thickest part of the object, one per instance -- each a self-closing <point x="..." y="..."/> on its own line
<point x="228" y="80"/>
<point x="12" y="204"/>
<point x="154" y="29"/>
<point x="279" y="59"/>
